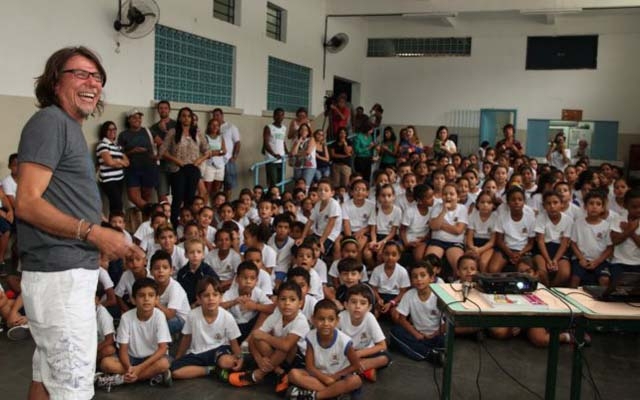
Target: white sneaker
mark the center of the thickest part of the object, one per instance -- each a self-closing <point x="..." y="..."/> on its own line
<point x="20" y="332"/>
<point x="107" y="381"/>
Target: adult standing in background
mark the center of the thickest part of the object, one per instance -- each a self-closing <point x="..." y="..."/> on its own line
<point x="303" y="154"/>
<point x="302" y="117"/>
<point x="159" y="131"/>
<point x="111" y="164"/>
<point x="141" y="176"/>
<point x="340" y="115"/>
<point x="274" y="146"/>
<point x="442" y="144"/>
<point x="231" y="137"/>
<point x="558" y="155"/>
<point x="185" y="148"/>
<point x="509" y="146"/>
<point x="58" y="208"/>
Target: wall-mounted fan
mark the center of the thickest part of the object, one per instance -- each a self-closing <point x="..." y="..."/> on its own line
<point x="136" y="18"/>
<point x="337" y="43"/>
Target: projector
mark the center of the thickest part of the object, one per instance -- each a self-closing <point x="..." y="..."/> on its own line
<point x="505" y="283"/>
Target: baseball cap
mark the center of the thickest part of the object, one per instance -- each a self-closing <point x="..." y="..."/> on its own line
<point x="134" y="111"/>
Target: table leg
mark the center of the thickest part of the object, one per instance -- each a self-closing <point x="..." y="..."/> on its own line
<point x="448" y="366"/>
<point x="552" y="364"/>
<point x="576" y="370"/>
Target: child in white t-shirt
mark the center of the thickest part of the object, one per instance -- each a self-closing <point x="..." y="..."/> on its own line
<point x="223" y="259"/>
<point x="359" y="323"/>
<point x="624" y="234"/>
<point x="302" y="278"/>
<point x="389" y="280"/>
<point x="591" y="243"/>
<point x="106" y="330"/>
<point x="209" y="344"/>
<point x="384" y="224"/>
<point x="143" y="336"/>
<point x="247" y="303"/>
<point x="553" y="236"/>
<point x="173" y="303"/>
<point x="277" y="343"/>
<point x="515" y="230"/>
<point x="325" y="221"/>
<point x="481" y="231"/>
<point x="330" y="362"/>
<point x="415" y="221"/>
<point x="418" y="329"/>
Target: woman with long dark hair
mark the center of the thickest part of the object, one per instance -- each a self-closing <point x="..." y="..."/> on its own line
<point x="185" y="148"/>
<point x="111" y="164"/>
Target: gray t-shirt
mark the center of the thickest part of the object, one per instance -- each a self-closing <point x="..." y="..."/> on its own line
<point x="53" y="139"/>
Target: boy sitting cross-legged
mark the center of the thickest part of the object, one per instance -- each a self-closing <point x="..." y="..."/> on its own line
<point x="361" y="325"/>
<point x="144" y="338"/>
<point x="209" y="343"/>
<point x="331" y="361"/>
<point x="277" y="344"/>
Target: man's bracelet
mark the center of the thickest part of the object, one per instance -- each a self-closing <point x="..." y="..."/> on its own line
<point x="79" y="228"/>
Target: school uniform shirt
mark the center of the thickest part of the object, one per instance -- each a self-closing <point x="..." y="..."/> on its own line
<point x="573" y="212"/>
<point x="299" y="326"/>
<point x="403" y="202"/>
<point x="307" y="308"/>
<point x="143" y="337"/>
<point x="628" y="251"/>
<point x="385" y="284"/>
<point x="175" y="297"/>
<point x="320" y="218"/>
<point x="143" y="231"/>
<point x="416" y="223"/>
<point x="284" y="255"/>
<point x="225" y="268"/>
<point x="301" y="217"/>
<point x="358" y="217"/>
<point x="553" y="232"/>
<point x="332" y="359"/>
<point x="618" y="209"/>
<point x="528" y="193"/>
<point x="592" y="239"/>
<point x="207" y="336"/>
<point x="126" y="283"/>
<point x="384" y="222"/>
<point x="365" y="335"/>
<point x="482" y="229"/>
<point x="334" y="273"/>
<point x="535" y="202"/>
<point x="211" y="234"/>
<point x="321" y="269"/>
<point x="270" y="260"/>
<point x="147" y="242"/>
<point x="178" y="258"/>
<point x="105" y="322"/>
<point x="425" y="315"/>
<point x="459" y="214"/>
<point x="315" y="285"/>
<point x="105" y="279"/>
<point x="243" y="316"/>
<point x="517" y="233"/>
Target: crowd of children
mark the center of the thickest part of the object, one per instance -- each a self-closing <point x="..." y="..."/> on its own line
<point x="288" y="287"/>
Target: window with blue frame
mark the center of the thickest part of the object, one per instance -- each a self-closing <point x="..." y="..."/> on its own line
<point x="288" y="85"/>
<point x="192" y="69"/>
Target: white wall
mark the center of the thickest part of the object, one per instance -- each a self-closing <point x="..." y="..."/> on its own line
<point x="33" y="29"/>
<point x="422" y="90"/>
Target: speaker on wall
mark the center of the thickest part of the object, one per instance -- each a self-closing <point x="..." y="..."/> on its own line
<point x="562" y="52"/>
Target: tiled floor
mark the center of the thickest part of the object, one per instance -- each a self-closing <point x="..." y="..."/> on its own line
<point x="614" y="360"/>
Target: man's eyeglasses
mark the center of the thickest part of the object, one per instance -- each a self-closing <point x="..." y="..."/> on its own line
<point x="84" y="75"/>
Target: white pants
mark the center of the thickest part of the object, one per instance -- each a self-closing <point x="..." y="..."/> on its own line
<point x="60" y="307"/>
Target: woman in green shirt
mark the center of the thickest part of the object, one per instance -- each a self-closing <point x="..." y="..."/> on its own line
<point x="363" y="146"/>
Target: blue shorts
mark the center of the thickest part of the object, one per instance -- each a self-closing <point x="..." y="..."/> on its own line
<point x="137" y="360"/>
<point x="145" y="177"/>
<point x="617" y="269"/>
<point x="207" y="359"/>
<point x="590" y="276"/>
<point x="5" y="226"/>
<point x="552" y="249"/>
<point x="445" y="245"/>
<point x="479" y="242"/>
